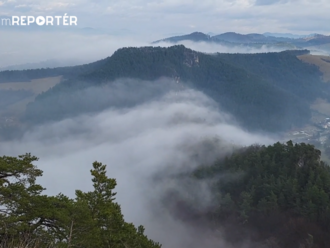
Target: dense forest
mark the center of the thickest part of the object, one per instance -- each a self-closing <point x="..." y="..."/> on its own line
<point x="277" y="195"/>
<point x="258" y="89"/>
<point x="31" y="219"/>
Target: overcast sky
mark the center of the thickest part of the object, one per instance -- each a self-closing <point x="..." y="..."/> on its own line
<point x="118" y="24"/>
<point x="159" y="18"/>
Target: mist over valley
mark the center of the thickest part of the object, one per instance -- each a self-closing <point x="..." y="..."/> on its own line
<point x="214" y="141"/>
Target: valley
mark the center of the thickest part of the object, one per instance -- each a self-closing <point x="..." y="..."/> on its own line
<point x="177" y="93"/>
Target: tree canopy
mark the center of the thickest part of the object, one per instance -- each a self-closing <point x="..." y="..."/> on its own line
<point x="281" y="191"/>
<point x="32" y="219"/>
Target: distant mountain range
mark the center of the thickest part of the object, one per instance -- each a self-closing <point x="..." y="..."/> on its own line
<point x="288" y="35"/>
<point x="232" y="38"/>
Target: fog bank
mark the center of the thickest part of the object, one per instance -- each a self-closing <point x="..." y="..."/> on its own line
<point x="144" y="147"/>
<point x="48" y="49"/>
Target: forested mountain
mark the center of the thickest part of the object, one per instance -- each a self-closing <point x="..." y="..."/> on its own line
<point x="277" y="195"/>
<point x="258" y="89"/>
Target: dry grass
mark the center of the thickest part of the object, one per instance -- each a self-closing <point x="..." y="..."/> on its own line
<point x="323" y="62"/>
<point x="37" y="86"/>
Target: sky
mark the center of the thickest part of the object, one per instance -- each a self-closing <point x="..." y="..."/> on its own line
<point x="160" y="18"/>
<point x="116" y="24"/>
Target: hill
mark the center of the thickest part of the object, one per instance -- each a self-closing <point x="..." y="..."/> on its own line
<point x="276" y="196"/>
<point x="323" y="62"/>
<point x="255" y="40"/>
<point x="248" y="38"/>
<point x="258" y="89"/>
<point x="196" y="36"/>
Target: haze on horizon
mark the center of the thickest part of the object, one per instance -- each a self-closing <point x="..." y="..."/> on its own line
<point x="137" y="23"/>
<point x="159" y="19"/>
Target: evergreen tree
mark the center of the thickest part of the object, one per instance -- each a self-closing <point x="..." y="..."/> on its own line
<point x="92" y="219"/>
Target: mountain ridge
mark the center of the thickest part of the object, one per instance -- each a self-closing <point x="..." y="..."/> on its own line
<point x="249" y="39"/>
<point x="258" y="89"/>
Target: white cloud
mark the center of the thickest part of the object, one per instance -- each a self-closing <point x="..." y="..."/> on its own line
<point x="59" y="46"/>
<point x="206" y="47"/>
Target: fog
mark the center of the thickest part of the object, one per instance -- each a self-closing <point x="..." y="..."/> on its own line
<point x="322" y="50"/>
<point x="144" y="146"/>
<point x="27" y="50"/>
<point x="17" y="48"/>
<point x="207" y="47"/>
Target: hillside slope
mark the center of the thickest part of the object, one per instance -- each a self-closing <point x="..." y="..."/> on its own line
<point x="277" y="195"/>
<point x="323" y="62"/>
<point x="270" y="91"/>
